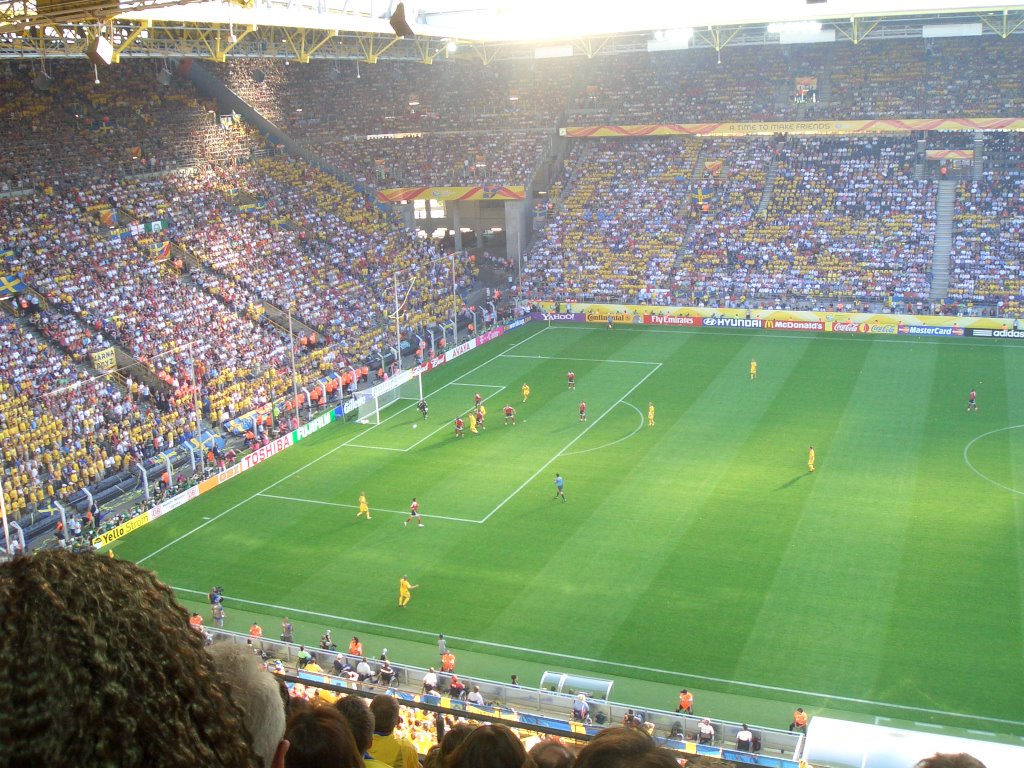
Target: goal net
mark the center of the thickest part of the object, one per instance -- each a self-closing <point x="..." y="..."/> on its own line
<point x="404" y="385"/>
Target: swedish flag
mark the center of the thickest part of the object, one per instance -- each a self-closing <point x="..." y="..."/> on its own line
<point x="10" y="285"/>
<point x="702" y="197"/>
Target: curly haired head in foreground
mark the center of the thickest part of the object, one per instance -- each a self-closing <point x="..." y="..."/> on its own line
<point x="961" y="760"/>
<point x="624" y="748"/>
<point x="102" y="668"/>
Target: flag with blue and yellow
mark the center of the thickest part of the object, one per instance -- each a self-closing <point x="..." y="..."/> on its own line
<point x="11" y="285"/>
<point x="702" y="197"/>
<point x="161" y="251"/>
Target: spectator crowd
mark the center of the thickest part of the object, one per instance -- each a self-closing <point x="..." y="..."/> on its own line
<point x="140" y="221"/>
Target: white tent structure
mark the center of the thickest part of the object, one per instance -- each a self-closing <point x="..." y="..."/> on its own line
<point x="844" y="744"/>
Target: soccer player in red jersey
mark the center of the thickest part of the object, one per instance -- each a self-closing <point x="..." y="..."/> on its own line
<point x="459" y="424"/>
<point x="477" y="399"/>
<point x="572" y="380"/>
<point x="414" y="512"/>
<point x="583" y="411"/>
<point x="510" y="413"/>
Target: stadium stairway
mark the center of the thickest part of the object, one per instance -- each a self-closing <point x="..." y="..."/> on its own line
<point x="784" y="97"/>
<point x="697" y="172"/>
<point x="769" y="187"/>
<point x="683" y="252"/>
<point x="211" y="87"/>
<point x="978" y="165"/>
<point x="279" y="318"/>
<point x="943" y="239"/>
<point x="126" y="365"/>
<point x="29" y="328"/>
<point x="825" y="77"/>
<point x="491" y="276"/>
<point x="189" y="259"/>
<point x="920" y="147"/>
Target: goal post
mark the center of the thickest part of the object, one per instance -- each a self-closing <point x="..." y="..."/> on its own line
<point x="404" y="385"/>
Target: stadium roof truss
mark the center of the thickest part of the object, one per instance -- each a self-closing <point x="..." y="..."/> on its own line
<point x="303" y="30"/>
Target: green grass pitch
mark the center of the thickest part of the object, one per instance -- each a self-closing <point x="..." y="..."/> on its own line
<point x="697" y="553"/>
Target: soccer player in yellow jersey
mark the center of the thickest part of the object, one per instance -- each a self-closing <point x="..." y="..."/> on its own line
<point x="364" y="508"/>
<point x="472" y="422"/>
<point x="526" y="392"/>
<point x="405" y="591"/>
<point x="650" y="414"/>
<point x="810" y="459"/>
<point x="753" y="369"/>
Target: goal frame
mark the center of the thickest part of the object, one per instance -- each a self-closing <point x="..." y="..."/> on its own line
<point x="385" y="393"/>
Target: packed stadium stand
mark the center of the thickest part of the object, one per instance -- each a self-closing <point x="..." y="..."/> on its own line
<point x="94" y="285"/>
<point x="619" y="223"/>
<point x="886" y="79"/>
<point x="987" y="253"/>
<point x="106" y="129"/>
<point x="494" y="136"/>
<point x="493" y="157"/>
<point x="401" y="96"/>
<point x="690" y="86"/>
<point x="734" y="174"/>
<point x="846" y="221"/>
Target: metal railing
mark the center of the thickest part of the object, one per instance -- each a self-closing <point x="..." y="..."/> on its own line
<point x="670" y="727"/>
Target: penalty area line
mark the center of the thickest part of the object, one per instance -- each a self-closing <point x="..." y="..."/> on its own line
<point x="372" y="509"/>
<point x="378" y="448"/>
<point x="580" y="359"/>
<point x="457" y="382"/>
<point x="685" y="676"/>
<point x="243" y="502"/>
<point x="305" y="466"/>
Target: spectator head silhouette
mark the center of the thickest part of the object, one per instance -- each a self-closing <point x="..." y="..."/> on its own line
<point x="134" y="685"/>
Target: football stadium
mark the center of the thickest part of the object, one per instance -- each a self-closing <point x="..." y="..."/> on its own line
<point x="486" y="384"/>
